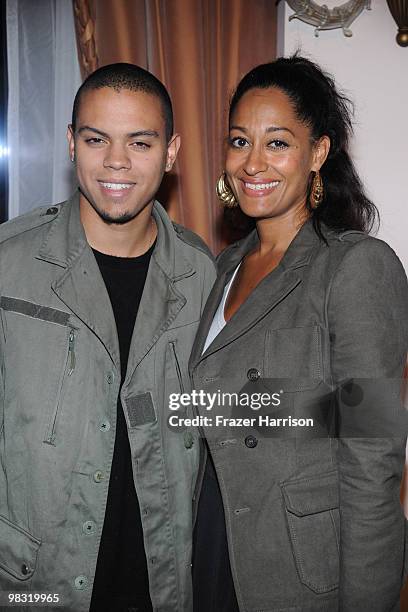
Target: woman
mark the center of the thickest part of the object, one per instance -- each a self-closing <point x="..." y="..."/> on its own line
<point x="312" y="312"/>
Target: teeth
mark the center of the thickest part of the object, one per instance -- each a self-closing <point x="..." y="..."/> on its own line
<point x="261" y="186"/>
<point x="117" y="186"/>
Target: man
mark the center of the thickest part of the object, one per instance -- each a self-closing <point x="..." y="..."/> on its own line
<point x="100" y="301"/>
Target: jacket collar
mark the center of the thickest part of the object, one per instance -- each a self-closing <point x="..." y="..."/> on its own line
<point x="275" y="287"/>
<point x="297" y="255"/>
<point x="82" y="290"/>
<point x="66" y="240"/>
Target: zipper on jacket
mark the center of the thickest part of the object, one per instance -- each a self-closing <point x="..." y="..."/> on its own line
<point x="71" y="352"/>
<point x="178" y="369"/>
<point x="69" y="367"/>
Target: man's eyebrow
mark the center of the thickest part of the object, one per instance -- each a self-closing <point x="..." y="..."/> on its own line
<point x="151" y="133"/>
<point x="138" y="134"/>
<point x="268" y="130"/>
<point x="87" y="128"/>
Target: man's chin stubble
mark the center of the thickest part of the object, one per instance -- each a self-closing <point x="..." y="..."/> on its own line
<point x="121" y="220"/>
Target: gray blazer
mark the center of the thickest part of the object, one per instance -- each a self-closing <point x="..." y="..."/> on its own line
<point x="313" y="516"/>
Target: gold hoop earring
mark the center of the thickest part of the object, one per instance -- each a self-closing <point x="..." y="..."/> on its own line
<point x="224" y="192"/>
<point x="317" y="191"/>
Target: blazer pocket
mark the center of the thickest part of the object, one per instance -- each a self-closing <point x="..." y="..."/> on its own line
<point x="294" y="357"/>
<point x="312" y="514"/>
<point x="18" y="550"/>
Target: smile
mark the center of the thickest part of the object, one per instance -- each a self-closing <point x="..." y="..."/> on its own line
<point x="261" y="186"/>
<point x="116" y="186"/>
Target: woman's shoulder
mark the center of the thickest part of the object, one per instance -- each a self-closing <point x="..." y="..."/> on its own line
<point x="366" y="270"/>
<point x="353" y="247"/>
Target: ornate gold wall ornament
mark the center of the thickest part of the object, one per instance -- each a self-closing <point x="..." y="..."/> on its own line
<point x="399" y="11"/>
<point x="324" y="18"/>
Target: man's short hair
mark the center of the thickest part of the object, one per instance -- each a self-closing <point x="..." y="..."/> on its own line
<point x="131" y="77"/>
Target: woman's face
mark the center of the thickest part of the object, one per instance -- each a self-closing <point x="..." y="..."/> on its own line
<point x="270" y="155"/>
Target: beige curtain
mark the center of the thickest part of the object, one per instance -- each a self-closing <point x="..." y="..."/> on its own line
<point x="199" y="49"/>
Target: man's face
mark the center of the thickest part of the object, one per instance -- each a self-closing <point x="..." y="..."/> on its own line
<point x="121" y="152"/>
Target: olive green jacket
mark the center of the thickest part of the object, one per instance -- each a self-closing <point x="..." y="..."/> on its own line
<point x="60" y="382"/>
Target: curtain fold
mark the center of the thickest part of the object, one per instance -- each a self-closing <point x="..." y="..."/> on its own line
<point x="199" y="49"/>
<point x="43" y="76"/>
<point x="85" y="32"/>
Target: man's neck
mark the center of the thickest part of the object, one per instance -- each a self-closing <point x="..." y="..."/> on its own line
<point x="130" y="239"/>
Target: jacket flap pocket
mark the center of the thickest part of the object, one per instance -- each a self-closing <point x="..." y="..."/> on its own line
<point x="292" y="385"/>
<point x="36" y="311"/>
<point x="18" y="550"/>
<point x="311" y="495"/>
<point x="314" y="525"/>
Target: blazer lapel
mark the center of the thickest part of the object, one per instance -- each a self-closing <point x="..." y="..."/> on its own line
<point x="267" y="294"/>
<point x="225" y="270"/>
<point x="274" y="288"/>
<point x="209" y="311"/>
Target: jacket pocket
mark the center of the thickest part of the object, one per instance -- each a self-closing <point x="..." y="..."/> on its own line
<point x="312" y="513"/>
<point x="36" y="311"/>
<point x="294" y="357"/>
<point x="68" y="370"/>
<point x="18" y="550"/>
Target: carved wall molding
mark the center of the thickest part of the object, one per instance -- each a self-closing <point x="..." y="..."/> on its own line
<point x="323" y="18"/>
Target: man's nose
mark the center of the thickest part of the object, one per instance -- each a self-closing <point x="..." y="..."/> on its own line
<point x="117" y="157"/>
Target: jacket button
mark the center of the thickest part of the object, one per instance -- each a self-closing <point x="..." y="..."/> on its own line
<point x="25" y="570"/>
<point x="105" y="426"/>
<point x="52" y="210"/>
<point x="88" y="527"/>
<point x="253" y="374"/>
<point x="109" y="378"/>
<point x="81" y="582"/>
<point x="188" y="439"/>
<point x="98" y="476"/>
<point x="251" y="441"/>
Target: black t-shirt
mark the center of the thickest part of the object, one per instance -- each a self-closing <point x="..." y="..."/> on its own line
<point x="121" y="581"/>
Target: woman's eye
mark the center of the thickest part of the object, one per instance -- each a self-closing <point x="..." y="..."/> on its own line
<point x="238" y="142"/>
<point x="278" y="145"/>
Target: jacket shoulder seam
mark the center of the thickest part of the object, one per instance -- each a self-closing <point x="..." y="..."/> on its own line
<point x="25" y="223"/>
<point x="353" y="247"/>
<point x="192" y="239"/>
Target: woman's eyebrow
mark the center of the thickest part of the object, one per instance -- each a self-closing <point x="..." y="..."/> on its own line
<point x="278" y="129"/>
<point x="269" y="130"/>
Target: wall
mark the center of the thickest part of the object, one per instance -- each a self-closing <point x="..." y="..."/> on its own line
<point x="373" y="70"/>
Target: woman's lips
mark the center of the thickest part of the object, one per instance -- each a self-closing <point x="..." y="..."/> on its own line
<point x="258" y="189"/>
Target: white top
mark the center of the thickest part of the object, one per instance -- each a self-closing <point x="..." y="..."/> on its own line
<point x="219" y="321"/>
